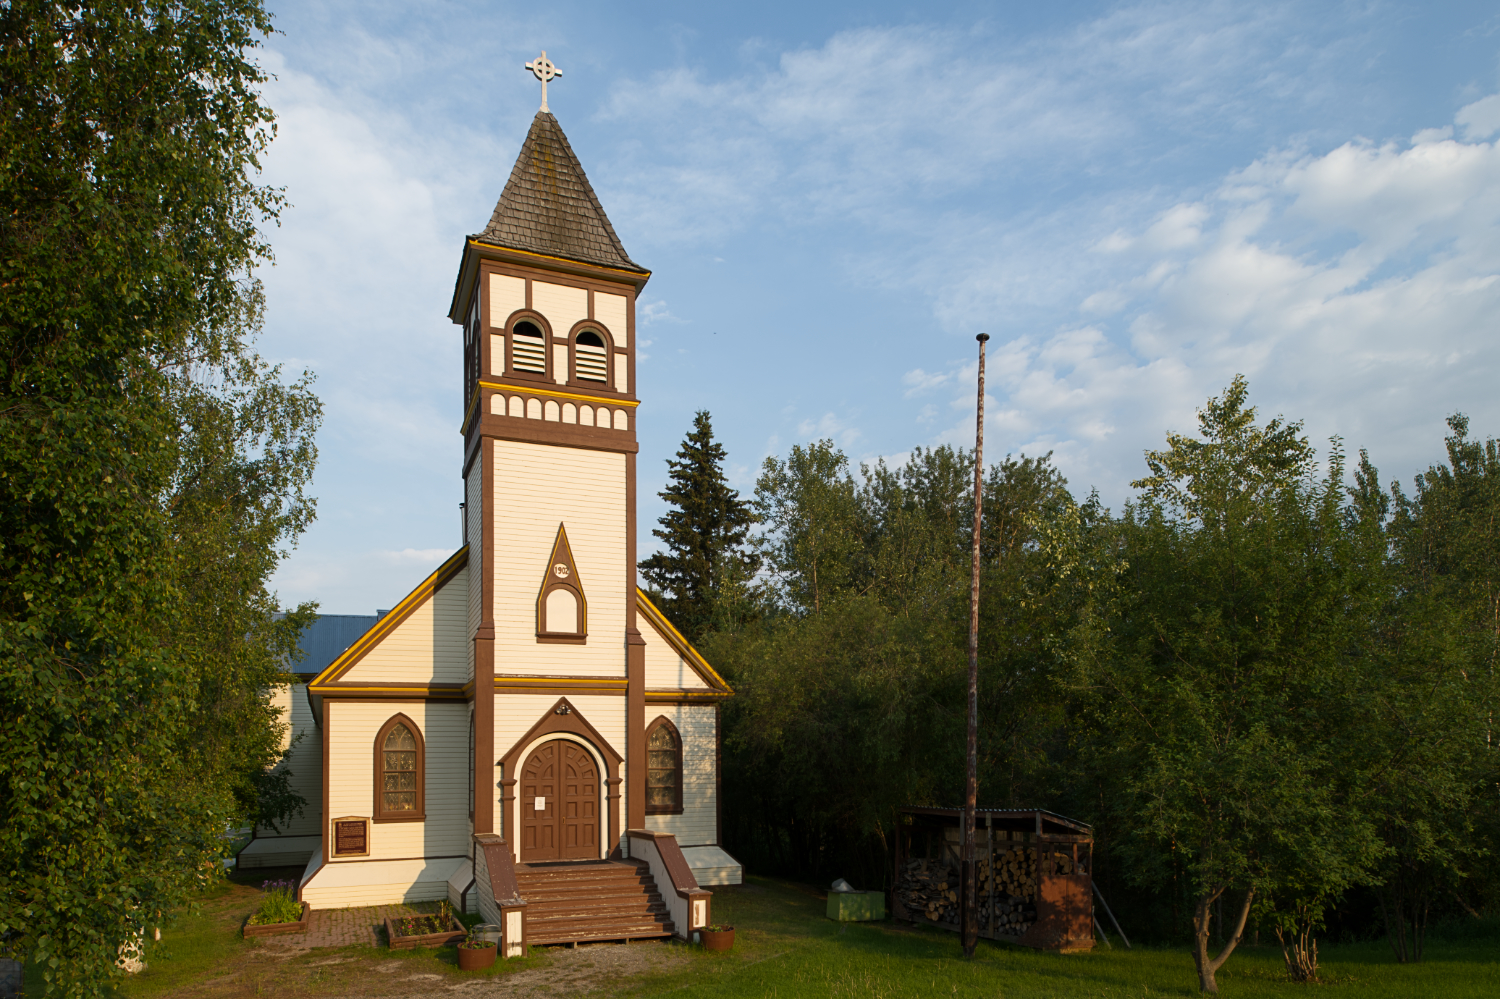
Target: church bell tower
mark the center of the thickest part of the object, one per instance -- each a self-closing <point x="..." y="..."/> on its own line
<point x="546" y="297"/>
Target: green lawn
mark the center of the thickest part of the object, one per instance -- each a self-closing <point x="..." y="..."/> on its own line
<point x="785" y="948"/>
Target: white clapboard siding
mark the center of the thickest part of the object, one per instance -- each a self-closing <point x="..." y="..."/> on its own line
<point x="516" y="714"/>
<point x="563" y="306"/>
<point x="610" y="311"/>
<point x="536" y="488"/>
<point x="696" y="723"/>
<point x="340" y="886"/>
<point x="352" y="729"/>
<point x="473" y="534"/>
<point x="665" y="668"/>
<point x="305" y="763"/>
<point x="428" y="647"/>
<point x="507" y="294"/>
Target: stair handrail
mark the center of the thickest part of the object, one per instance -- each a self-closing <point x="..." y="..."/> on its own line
<point x="689" y="902"/>
<point x="495" y="869"/>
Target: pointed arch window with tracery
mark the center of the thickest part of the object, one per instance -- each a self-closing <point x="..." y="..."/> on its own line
<point x="663" y="769"/>
<point x="399" y="769"/>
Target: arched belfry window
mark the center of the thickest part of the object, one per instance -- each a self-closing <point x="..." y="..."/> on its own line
<point x="562" y="612"/>
<point x="399" y="770"/>
<point x="663" y="769"/>
<point x="528" y="348"/>
<point x="591" y="357"/>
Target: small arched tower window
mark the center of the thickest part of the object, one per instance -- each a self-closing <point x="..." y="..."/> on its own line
<point x="528" y="348"/>
<point x="663" y="769"/>
<point x="591" y="358"/>
<point x="562" y="612"/>
<point x="399" y="768"/>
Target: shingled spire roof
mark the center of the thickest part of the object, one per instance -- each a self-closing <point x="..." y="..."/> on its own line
<point x="549" y="207"/>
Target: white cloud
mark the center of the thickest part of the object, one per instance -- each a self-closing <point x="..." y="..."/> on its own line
<point x="1358" y="289"/>
<point x="1481" y="119"/>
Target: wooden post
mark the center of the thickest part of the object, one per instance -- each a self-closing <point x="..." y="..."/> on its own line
<point x="969" y="920"/>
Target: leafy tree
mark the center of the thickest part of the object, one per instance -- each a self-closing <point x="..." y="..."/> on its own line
<point x="815" y="525"/>
<point x="1436" y="797"/>
<point x="128" y="229"/>
<point x="245" y="454"/>
<point x="1225" y="700"/>
<point x="705" y="533"/>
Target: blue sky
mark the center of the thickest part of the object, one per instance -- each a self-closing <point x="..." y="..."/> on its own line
<point x="1136" y="201"/>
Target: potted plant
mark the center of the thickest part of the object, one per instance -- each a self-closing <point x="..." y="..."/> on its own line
<point x="716" y="937"/>
<point x="474" y="953"/>
<point x="279" y="911"/>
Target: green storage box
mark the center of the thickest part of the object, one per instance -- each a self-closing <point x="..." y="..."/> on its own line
<point x="856" y="906"/>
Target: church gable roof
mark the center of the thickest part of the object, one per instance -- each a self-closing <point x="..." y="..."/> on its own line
<point x="683" y="672"/>
<point x="549" y="207"/>
<point x="418" y="647"/>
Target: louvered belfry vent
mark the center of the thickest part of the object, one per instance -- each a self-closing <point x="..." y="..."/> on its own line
<point x="592" y="362"/>
<point x="528" y="349"/>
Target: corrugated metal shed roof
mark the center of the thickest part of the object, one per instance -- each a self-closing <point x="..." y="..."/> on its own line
<point x="549" y="207"/>
<point x="327" y="638"/>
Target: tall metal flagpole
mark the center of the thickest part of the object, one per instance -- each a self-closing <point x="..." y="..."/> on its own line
<point x="969" y="921"/>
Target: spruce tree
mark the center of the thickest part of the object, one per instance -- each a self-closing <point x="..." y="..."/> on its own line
<point x="704" y="533"/>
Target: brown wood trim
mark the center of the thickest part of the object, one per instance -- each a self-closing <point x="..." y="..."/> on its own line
<point x="683" y="881"/>
<point x="500" y="864"/>
<point x="478" y="259"/>
<point x="323" y="819"/>
<point x="397" y="860"/>
<point x="551" y="639"/>
<point x="420" y="813"/>
<point x="663" y="720"/>
<point x="380" y="629"/>
<point x="679" y="643"/>
<point x="571" y="722"/>
<point x="564" y="685"/>
<point x="686" y="697"/>
<point x="509" y="428"/>
<point x="484" y="649"/>
<point x="548" y="266"/>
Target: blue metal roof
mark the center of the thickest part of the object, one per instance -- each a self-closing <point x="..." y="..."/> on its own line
<point x="327" y="638"/>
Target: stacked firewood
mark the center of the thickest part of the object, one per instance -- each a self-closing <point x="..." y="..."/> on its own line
<point x="1011" y="874"/>
<point x="930" y="888"/>
<point x="1009" y="878"/>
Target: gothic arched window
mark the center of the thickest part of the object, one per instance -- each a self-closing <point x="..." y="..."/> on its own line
<point x="663" y="769"/>
<point x="399" y="769"/>
<point x="528" y="348"/>
<point x="591" y="357"/>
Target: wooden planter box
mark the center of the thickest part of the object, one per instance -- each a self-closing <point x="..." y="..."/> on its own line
<point x="274" y="929"/>
<point x="399" y="942"/>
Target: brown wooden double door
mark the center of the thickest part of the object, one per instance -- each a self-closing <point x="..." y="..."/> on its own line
<point x="562" y="778"/>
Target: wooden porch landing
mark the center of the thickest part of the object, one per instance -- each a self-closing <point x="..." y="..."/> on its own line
<point x="591" y="901"/>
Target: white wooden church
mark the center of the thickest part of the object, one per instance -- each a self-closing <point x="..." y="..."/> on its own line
<point x="524" y="733"/>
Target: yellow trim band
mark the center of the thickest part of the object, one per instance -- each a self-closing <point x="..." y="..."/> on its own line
<point x="639" y="275"/>
<point x="519" y="390"/>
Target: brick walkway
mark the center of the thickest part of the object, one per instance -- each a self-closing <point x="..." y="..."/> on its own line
<point x="347" y="927"/>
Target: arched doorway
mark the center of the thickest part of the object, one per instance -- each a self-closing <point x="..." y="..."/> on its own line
<point x="559" y="803"/>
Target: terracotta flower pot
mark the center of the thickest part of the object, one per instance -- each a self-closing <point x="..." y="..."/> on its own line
<point x="474" y="958"/>
<point x="720" y="940"/>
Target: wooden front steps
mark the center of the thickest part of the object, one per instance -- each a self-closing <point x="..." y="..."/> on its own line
<point x="605" y="900"/>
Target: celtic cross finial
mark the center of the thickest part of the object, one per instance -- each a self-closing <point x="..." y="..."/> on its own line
<point x="541" y="67"/>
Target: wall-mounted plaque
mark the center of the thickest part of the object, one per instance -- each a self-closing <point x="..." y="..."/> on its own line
<point x="351" y="836"/>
